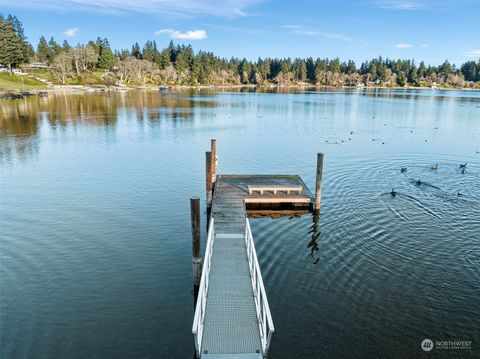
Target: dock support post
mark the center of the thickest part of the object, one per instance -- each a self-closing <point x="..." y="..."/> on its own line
<point x="208" y="179"/>
<point x="196" y="241"/>
<point x="208" y="176"/>
<point x="318" y="183"/>
<point x="214" y="159"/>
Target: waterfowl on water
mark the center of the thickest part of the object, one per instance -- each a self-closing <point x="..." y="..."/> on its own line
<point x="435" y="166"/>
<point x="419" y="182"/>
<point x="403" y="169"/>
<point x="393" y="193"/>
<point x="463" y="165"/>
<point x="463" y="171"/>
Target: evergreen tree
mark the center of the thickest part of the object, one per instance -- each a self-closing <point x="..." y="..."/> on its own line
<point x="265" y="69"/>
<point x="54" y="49"/>
<point x="401" y="78"/>
<point x="66" y="46"/>
<point x="184" y="58"/>
<point x="163" y="59"/>
<point x="148" y="52"/>
<point x="351" y="68"/>
<point x="310" y="69"/>
<point x="299" y="70"/>
<point x="43" y="51"/>
<point x="244" y="71"/>
<point x="106" y="59"/>
<point x="12" y="46"/>
<point x="136" y="51"/>
<point x="422" y="71"/>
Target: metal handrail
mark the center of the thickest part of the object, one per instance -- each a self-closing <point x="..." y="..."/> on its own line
<point x="264" y="316"/>
<point x="199" y="318"/>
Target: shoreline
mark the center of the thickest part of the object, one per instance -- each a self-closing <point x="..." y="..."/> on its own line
<point x="15" y="93"/>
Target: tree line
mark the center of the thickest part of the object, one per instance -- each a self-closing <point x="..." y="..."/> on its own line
<point x="180" y="65"/>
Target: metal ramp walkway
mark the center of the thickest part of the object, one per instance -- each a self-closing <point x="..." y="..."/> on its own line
<point x="232" y="318"/>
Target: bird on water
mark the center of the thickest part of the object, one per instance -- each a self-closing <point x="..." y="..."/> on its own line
<point x="393" y="193"/>
<point x="403" y="169"/>
<point x="419" y="182"/>
<point x="435" y="166"/>
<point x="463" y="165"/>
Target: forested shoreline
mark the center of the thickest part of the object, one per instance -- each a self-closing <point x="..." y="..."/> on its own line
<point x="95" y="63"/>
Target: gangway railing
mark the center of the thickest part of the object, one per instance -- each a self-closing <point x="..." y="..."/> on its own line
<point x="199" y="317"/>
<point x="264" y="316"/>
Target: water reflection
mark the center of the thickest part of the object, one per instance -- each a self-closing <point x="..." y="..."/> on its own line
<point x="21" y="120"/>
<point x="315" y="231"/>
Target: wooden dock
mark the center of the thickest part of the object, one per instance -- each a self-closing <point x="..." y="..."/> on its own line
<point x="232" y="316"/>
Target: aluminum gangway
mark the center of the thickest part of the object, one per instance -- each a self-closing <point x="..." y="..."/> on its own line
<point x="232" y="316"/>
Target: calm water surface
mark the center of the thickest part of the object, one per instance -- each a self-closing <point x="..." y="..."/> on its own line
<point x="95" y="249"/>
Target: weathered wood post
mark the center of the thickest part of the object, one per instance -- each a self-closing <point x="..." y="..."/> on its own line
<point x="208" y="176"/>
<point x="214" y="159"/>
<point x="318" y="183"/>
<point x="208" y="179"/>
<point x="196" y="243"/>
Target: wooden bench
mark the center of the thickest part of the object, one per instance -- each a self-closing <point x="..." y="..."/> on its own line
<point x="274" y="189"/>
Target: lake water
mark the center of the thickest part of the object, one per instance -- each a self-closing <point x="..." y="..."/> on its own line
<point x="95" y="223"/>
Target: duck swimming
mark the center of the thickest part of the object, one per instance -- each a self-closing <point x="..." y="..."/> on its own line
<point x="463" y="171"/>
<point x="419" y="182"/>
<point x="435" y="167"/>
<point x="403" y="169"/>
<point x="393" y="193"/>
<point x="463" y="165"/>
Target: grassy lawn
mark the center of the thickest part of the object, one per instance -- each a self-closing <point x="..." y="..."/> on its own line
<point x="14" y="82"/>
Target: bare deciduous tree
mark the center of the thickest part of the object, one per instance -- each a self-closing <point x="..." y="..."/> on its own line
<point x="63" y="65"/>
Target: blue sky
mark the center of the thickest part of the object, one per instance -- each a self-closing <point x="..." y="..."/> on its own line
<point x="429" y="30"/>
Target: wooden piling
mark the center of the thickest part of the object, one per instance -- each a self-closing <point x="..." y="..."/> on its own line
<point x="208" y="176"/>
<point x="318" y="182"/>
<point x="214" y="159"/>
<point x="196" y="244"/>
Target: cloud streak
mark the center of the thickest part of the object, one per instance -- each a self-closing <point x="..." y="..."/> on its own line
<point x="399" y="5"/>
<point x="301" y="30"/>
<point x="188" y="35"/>
<point x="402" y="46"/>
<point x="472" y="53"/>
<point x="71" y="32"/>
<point x="176" y="8"/>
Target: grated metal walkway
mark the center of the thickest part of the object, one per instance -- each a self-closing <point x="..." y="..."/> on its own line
<point x="231" y="325"/>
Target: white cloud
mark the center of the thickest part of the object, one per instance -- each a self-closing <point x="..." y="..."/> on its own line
<point x="472" y="53"/>
<point x="399" y="4"/>
<point x="71" y="32"/>
<point x="172" y="8"/>
<point x="189" y="35"/>
<point x="402" y="46"/>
